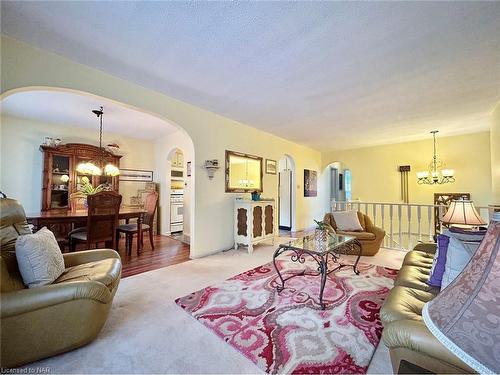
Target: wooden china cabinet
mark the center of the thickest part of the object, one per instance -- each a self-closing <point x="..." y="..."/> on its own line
<point x="60" y="177"/>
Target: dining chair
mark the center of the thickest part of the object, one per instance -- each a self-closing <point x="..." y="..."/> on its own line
<point x="102" y="221"/>
<point x="150" y="203"/>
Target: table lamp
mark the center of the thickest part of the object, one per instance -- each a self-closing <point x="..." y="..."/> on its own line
<point x="462" y="212"/>
<point x="465" y="316"/>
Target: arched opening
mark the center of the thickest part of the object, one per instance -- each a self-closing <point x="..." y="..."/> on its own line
<point x="144" y="139"/>
<point x="176" y="181"/>
<point x="338" y="181"/>
<point x="287" y="198"/>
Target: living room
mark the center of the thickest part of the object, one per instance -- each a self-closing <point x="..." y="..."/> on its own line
<point x="260" y="83"/>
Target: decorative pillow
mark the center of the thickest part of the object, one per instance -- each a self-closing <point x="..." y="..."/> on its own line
<point x="39" y="258"/>
<point x="439" y="262"/>
<point x="460" y="250"/>
<point x="347" y="221"/>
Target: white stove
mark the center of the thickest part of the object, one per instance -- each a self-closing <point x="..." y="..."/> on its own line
<point x="176" y="210"/>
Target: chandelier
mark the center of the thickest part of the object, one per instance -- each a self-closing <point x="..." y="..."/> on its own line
<point x="437" y="174"/>
<point x="98" y="166"/>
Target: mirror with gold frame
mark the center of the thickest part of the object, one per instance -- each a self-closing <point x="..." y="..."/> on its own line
<point x="243" y="173"/>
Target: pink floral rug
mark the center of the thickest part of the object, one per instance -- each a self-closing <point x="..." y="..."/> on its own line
<point x="288" y="332"/>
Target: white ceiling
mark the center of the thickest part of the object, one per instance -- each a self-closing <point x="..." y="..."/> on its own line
<point x="75" y="109"/>
<point x="326" y="74"/>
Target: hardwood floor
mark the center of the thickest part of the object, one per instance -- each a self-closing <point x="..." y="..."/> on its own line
<point x="167" y="252"/>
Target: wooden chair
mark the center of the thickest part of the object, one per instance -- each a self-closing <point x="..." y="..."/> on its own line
<point x="102" y="221"/>
<point x="150" y="204"/>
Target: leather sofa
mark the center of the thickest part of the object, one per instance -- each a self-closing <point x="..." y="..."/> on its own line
<point x="405" y="333"/>
<point x="370" y="238"/>
<point x="41" y="322"/>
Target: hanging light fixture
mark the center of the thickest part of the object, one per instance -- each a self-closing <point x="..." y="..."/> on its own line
<point x="98" y="166"/>
<point x="437" y="174"/>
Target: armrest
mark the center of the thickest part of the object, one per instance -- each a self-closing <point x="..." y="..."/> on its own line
<point x="414" y="335"/>
<point x="428" y="247"/>
<point x="87" y="256"/>
<point x="26" y="300"/>
<point x="378" y="232"/>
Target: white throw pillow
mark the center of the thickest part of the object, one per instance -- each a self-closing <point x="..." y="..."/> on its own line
<point x="457" y="257"/>
<point x="347" y="221"/>
<point x="39" y="258"/>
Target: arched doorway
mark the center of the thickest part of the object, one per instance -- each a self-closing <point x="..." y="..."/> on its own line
<point x="176" y="211"/>
<point x="287" y="193"/>
<point x="66" y="105"/>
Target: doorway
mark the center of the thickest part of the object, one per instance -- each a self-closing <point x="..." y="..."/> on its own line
<point x="176" y="181"/>
<point x="339" y="183"/>
<point x="286" y="193"/>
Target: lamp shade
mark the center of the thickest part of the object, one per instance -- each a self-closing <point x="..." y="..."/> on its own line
<point x="465" y="316"/>
<point x="462" y="212"/>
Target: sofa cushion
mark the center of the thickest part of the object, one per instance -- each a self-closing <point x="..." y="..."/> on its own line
<point x="458" y="255"/>
<point x="439" y="262"/>
<point x="418" y="258"/>
<point x="359" y="235"/>
<point x="39" y="258"/>
<point x="347" y="221"/>
<point x="405" y="303"/>
<point x="414" y="277"/>
<point x="106" y="271"/>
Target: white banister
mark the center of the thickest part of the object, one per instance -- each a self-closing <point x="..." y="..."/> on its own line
<point x="412" y="227"/>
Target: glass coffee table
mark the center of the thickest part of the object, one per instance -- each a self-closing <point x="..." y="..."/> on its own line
<point x="326" y="254"/>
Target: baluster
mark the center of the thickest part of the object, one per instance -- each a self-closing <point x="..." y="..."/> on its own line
<point x="366" y="208"/>
<point x="441" y="214"/>
<point x="382" y="212"/>
<point x="359" y="206"/>
<point x="399" y="227"/>
<point x="391" y="214"/>
<point x="408" y="213"/>
<point x="375" y="214"/>
<point x="429" y="218"/>
<point x="419" y="219"/>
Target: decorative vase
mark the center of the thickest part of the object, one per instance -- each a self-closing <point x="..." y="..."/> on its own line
<point x="256" y="196"/>
<point x="320" y="235"/>
<point x="320" y="239"/>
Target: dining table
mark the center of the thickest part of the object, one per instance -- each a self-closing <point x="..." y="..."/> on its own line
<point x="79" y="218"/>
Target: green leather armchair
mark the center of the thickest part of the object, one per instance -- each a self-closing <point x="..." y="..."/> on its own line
<point x="42" y="322"/>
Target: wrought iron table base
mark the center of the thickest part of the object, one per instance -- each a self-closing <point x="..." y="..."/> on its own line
<point x="322" y="261"/>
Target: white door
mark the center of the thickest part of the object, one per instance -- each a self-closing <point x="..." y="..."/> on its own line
<point x="285" y="199"/>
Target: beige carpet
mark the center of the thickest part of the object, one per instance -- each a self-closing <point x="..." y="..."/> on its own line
<point x="148" y="333"/>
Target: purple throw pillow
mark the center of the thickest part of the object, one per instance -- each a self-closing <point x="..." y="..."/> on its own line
<point x="438" y="269"/>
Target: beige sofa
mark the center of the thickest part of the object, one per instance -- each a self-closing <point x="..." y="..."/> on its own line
<point x="405" y="333"/>
<point x="42" y="322"/>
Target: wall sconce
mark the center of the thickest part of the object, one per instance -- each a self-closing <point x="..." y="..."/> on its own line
<point x="211" y="166"/>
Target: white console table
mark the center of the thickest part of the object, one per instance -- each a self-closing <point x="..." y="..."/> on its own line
<point x="253" y="222"/>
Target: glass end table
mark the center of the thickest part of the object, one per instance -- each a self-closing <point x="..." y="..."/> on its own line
<point x="323" y="252"/>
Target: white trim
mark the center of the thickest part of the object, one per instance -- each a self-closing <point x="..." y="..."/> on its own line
<point x="451" y="346"/>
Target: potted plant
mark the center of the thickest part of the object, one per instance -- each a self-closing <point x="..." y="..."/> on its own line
<point x="322" y="231"/>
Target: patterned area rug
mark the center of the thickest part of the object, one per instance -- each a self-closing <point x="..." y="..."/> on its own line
<point x="288" y="332"/>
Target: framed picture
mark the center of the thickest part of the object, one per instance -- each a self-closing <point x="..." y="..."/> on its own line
<point x="310" y="183"/>
<point x="270" y="166"/>
<point x="136" y="175"/>
<point x="188" y="169"/>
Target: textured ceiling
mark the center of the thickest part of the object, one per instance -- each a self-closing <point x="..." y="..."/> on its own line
<point x="74" y="109"/>
<point x="326" y="74"/>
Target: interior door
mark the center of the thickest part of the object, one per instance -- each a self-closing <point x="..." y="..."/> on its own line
<point x="285" y="199"/>
<point x="334" y="184"/>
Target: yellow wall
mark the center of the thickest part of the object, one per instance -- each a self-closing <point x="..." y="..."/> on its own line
<point x="212" y="224"/>
<point x="22" y="162"/>
<point x="495" y="156"/>
<point x="375" y="175"/>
